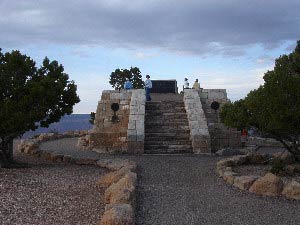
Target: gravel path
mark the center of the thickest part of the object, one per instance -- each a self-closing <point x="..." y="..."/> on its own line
<point x="184" y="190"/>
<point x="50" y="193"/>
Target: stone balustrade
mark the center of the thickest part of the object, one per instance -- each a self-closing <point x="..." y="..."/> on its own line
<point x="136" y="124"/>
<point x="197" y="122"/>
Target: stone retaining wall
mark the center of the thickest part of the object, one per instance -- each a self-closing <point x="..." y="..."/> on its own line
<point x="269" y="184"/>
<point x="263" y="142"/>
<point x="108" y="136"/>
<point x="221" y="136"/>
<point x="197" y="122"/>
<point x="125" y="135"/>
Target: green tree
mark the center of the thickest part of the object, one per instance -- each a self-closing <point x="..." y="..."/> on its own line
<point x="31" y="97"/>
<point x="235" y="114"/>
<point x="274" y="108"/>
<point x="119" y="76"/>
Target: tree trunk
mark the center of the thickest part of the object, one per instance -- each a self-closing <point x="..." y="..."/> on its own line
<point x="6" y="155"/>
<point x="293" y="149"/>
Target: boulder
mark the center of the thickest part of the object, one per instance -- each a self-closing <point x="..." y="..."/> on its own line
<point x="112" y="177"/>
<point x="123" y="191"/>
<point x="56" y="157"/>
<point x="230" y="152"/>
<point x="118" y="214"/>
<point x="84" y="141"/>
<point x="292" y="190"/>
<point x="255" y="158"/>
<point x="29" y="147"/>
<point x="286" y="157"/>
<point x="244" y="182"/>
<point x="222" y="170"/>
<point x="67" y="158"/>
<point x="270" y="185"/>
<point x="225" y="163"/>
<point x="229" y="177"/>
<point x="240" y="159"/>
<point x="85" y="161"/>
<point x="116" y="164"/>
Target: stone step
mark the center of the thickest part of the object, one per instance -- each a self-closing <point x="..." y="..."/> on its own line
<point x="161" y="117"/>
<point x="164" y="107"/>
<point x="155" y="146"/>
<point x="169" y="113"/>
<point x="165" y="102"/>
<point x="163" y="123"/>
<point x="167" y="143"/>
<point x="166" y="126"/>
<point x="167" y="134"/>
<point x="169" y="151"/>
<point x="174" y="111"/>
<point x="155" y="106"/>
<point x="166" y="131"/>
<point x="163" y="138"/>
<point x="166" y="120"/>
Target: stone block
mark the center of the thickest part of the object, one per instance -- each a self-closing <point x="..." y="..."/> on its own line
<point x="270" y="184"/>
<point x="229" y="177"/>
<point x="123" y="191"/>
<point x="244" y="182"/>
<point x="118" y="214"/>
<point x="204" y="95"/>
<point x="112" y="177"/>
<point x="140" y="137"/>
<point x="131" y="133"/>
<point x="135" y="147"/>
<point x="131" y="125"/>
<point x="132" y="137"/>
<point x="292" y="190"/>
<point x="85" y="161"/>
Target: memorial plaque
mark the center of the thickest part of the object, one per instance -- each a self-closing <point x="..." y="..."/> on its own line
<point x="164" y="86"/>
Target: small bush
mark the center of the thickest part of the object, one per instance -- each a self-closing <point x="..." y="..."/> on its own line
<point x="278" y="166"/>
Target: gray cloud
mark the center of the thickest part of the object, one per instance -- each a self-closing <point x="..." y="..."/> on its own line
<point x="193" y="27"/>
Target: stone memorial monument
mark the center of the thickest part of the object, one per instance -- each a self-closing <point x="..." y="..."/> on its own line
<point x="170" y="123"/>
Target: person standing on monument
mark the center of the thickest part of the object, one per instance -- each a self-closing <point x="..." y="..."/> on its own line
<point x="196" y="85"/>
<point x="148" y="86"/>
<point x="128" y="84"/>
<point x="186" y="84"/>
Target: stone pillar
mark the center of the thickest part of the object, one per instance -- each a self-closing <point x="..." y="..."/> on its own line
<point x="136" y="124"/>
<point x="197" y="122"/>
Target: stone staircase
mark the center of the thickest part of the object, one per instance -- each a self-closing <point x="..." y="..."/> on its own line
<point x="167" y="128"/>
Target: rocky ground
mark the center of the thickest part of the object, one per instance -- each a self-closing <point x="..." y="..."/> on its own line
<point x="185" y="190"/>
<point x="50" y="193"/>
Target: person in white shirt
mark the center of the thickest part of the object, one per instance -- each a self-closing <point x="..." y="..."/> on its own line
<point x="148" y="86"/>
<point x="186" y="83"/>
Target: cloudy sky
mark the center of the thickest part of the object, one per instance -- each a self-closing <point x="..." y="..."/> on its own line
<point x="225" y="44"/>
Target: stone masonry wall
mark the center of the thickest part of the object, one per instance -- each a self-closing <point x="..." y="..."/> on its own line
<point x="107" y="136"/>
<point x="197" y="122"/>
<point x="136" y="125"/>
<point x="221" y="136"/>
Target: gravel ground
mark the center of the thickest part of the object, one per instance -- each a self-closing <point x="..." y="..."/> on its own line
<point x="185" y="190"/>
<point x="50" y="193"/>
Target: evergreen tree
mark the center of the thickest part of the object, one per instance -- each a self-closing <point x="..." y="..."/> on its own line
<point x="31" y="97"/>
<point x="119" y="76"/>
